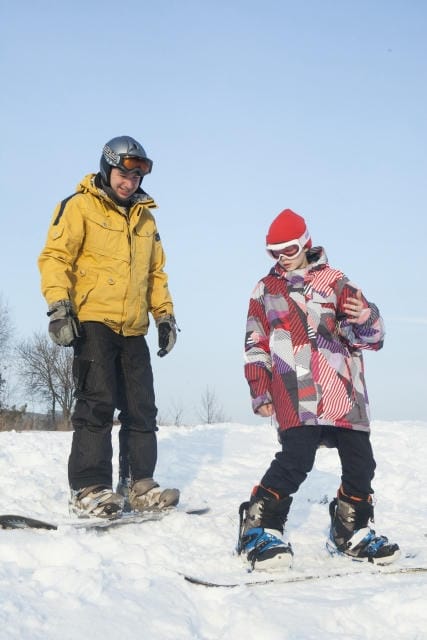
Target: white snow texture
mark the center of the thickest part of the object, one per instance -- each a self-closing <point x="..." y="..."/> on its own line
<point x="125" y="583"/>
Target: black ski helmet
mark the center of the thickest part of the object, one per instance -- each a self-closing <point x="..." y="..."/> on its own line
<point x="124" y="153"/>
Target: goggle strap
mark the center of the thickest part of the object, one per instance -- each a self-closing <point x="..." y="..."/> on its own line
<point x="302" y="241"/>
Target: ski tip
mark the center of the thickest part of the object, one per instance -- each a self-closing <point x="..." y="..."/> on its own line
<point x="24" y="522"/>
<point x="207" y="583"/>
<point x="197" y="511"/>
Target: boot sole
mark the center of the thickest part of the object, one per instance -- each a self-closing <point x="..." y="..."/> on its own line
<point x="380" y="561"/>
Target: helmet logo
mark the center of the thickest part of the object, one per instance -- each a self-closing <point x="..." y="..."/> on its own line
<point x="111" y="156"/>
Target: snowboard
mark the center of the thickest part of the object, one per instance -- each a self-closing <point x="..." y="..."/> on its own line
<point x="131" y="517"/>
<point x="291" y="578"/>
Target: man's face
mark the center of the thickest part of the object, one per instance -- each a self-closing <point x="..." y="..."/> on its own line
<point x="124" y="183"/>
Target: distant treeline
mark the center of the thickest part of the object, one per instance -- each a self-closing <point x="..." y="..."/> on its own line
<point x="14" y="419"/>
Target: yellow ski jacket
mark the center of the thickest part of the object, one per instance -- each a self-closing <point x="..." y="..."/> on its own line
<point x="108" y="262"/>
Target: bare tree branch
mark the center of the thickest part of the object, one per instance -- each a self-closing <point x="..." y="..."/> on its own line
<point x="5" y="342"/>
<point x="46" y="372"/>
<point x="211" y="412"/>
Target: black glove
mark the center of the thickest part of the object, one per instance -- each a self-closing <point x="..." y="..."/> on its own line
<point x="64" y="326"/>
<point x="167" y="328"/>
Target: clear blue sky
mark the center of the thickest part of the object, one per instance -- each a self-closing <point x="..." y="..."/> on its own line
<point x="246" y="108"/>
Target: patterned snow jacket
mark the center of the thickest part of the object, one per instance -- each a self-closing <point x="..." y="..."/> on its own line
<point x="108" y="261"/>
<point x="302" y="354"/>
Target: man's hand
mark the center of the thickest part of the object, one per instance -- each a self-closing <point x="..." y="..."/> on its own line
<point x="64" y="326"/>
<point x="166" y="326"/>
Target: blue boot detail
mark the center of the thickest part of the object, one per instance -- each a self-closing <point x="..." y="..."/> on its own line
<point x="263" y="547"/>
<point x="362" y="543"/>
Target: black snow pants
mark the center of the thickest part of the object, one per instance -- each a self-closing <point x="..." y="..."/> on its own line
<point x="296" y="459"/>
<point x="111" y="371"/>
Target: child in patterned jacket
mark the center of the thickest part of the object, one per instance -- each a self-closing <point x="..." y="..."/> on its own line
<point x="307" y="326"/>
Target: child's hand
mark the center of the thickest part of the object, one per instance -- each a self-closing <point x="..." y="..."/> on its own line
<point x="266" y="410"/>
<point x="356" y="310"/>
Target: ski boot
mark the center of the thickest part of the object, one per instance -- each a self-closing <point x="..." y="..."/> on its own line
<point x="96" y="501"/>
<point x="262" y="522"/>
<point x="351" y="535"/>
<point x="146" y="495"/>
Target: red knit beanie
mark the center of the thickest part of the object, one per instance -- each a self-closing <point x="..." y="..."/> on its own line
<point x="288" y="226"/>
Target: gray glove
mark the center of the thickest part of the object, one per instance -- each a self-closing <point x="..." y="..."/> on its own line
<point x="167" y="328"/>
<point x="64" y="326"/>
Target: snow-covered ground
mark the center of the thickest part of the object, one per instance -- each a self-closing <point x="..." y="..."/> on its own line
<point x="125" y="583"/>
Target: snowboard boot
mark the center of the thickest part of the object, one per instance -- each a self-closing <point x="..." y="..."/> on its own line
<point x="96" y="501"/>
<point x="123" y="490"/>
<point x="262" y="522"/>
<point x="351" y="535"/>
<point x="146" y="495"/>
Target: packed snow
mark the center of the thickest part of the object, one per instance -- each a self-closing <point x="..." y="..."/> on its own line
<point x="127" y="582"/>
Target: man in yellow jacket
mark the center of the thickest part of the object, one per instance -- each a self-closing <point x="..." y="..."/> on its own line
<point x="102" y="273"/>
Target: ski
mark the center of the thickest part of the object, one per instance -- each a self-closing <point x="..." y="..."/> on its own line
<point x="25" y="522"/>
<point x="291" y="579"/>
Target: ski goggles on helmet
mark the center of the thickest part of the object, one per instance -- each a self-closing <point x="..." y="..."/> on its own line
<point x="132" y="163"/>
<point x="290" y="249"/>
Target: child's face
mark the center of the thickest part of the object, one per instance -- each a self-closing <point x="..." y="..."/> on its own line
<point x="291" y="264"/>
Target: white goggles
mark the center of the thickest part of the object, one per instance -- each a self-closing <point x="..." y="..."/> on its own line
<point x="290" y="249"/>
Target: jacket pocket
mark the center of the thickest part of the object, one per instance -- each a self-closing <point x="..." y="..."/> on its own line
<point x="144" y="240"/>
<point x="80" y="373"/>
<point x="107" y="236"/>
<point x="322" y="312"/>
<point x="55" y="232"/>
<point x="84" y="284"/>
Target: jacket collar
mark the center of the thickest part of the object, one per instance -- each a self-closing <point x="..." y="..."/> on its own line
<point x="91" y="184"/>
